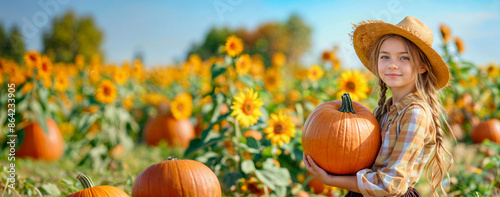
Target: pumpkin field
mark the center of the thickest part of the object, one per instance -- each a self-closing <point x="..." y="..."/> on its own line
<point x="228" y="125"/>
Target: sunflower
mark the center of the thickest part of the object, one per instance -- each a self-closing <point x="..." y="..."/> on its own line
<point x="315" y="73"/>
<point x="257" y="69"/>
<point x="327" y="56"/>
<point x="120" y="76"/>
<point x="279" y="59"/>
<point x="281" y="129"/>
<point x="233" y="46"/>
<point x="61" y="82"/>
<point x="243" y="64"/>
<point x="492" y="71"/>
<point x="45" y="68"/>
<point x="460" y="45"/>
<point x="353" y="83"/>
<point x="272" y="79"/>
<point x="445" y="32"/>
<point x="128" y="103"/>
<point x="79" y="61"/>
<point x="246" y="107"/>
<point x="106" y="93"/>
<point x="46" y="82"/>
<point x="182" y="106"/>
<point x="32" y="59"/>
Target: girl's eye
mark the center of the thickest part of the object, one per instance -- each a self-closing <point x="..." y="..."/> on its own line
<point x="384" y="57"/>
<point x="405" y="58"/>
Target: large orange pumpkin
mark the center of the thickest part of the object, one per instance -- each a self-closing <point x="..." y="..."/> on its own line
<point x="89" y="189"/>
<point x="342" y="137"/>
<point x="166" y="127"/>
<point x="38" y="144"/>
<point x="177" y="178"/>
<point x="489" y="129"/>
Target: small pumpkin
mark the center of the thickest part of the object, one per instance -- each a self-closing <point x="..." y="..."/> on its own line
<point x="89" y="189"/>
<point x="319" y="188"/>
<point x="342" y="137"/>
<point x="489" y="129"/>
<point x="176" y="178"/>
<point x="38" y="144"/>
<point x="165" y="127"/>
<point x="253" y="133"/>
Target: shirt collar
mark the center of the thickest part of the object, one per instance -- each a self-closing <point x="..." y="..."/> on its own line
<point x="403" y="103"/>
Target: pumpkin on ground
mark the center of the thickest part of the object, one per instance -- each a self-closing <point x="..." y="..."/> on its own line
<point x="342" y="137"/>
<point x="165" y="127"/>
<point x="177" y="178"/>
<point x="489" y="129"/>
<point x="253" y="133"/>
<point x="91" y="190"/>
<point x="38" y="144"/>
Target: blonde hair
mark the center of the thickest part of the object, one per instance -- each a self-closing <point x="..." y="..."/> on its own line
<point x="426" y="84"/>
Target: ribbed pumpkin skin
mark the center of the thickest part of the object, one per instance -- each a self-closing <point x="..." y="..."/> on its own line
<point x="177" y="178"/>
<point x="489" y="129"/>
<point x="339" y="142"/>
<point x="39" y="145"/>
<point x="103" y="190"/>
<point x="167" y="128"/>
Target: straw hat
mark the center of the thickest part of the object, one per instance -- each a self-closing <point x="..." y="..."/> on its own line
<point x="367" y="33"/>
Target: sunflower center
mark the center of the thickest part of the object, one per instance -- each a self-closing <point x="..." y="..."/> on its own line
<point x="350" y="85"/>
<point x="45" y="67"/>
<point x="33" y="58"/>
<point x="248" y="107"/>
<point x="107" y="90"/>
<point x="314" y="73"/>
<point x="232" y="45"/>
<point x="180" y="107"/>
<point x="279" y="128"/>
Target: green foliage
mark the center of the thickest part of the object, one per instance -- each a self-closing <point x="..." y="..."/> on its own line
<point x="12" y="44"/>
<point x="72" y="35"/>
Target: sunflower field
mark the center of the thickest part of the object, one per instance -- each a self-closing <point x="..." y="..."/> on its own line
<point x="236" y="114"/>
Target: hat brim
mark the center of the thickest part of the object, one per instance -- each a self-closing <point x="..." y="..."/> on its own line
<point x="365" y="37"/>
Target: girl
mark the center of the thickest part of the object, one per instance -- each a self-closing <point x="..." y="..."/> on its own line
<point x="402" y="58"/>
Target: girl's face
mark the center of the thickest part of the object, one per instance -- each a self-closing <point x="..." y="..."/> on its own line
<point x="394" y="66"/>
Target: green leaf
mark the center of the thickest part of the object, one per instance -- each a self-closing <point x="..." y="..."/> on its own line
<point x="217" y="70"/>
<point x="50" y="189"/>
<point x="248" y="166"/>
<point x="252" y="143"/>
<point x="489" y="165"/>
<point x="206" y="156"/>
<point x="262" y="177"/>
<point x="247" y="80"/>
<point x="198" y="143"/>
<point x="86" y="121"/>
<point x="39" y="115"/>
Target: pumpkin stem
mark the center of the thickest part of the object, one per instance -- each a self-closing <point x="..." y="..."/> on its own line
<point x="85" y="180"/>
<point x="346" y="104"/>
<point x="171" y="158"/>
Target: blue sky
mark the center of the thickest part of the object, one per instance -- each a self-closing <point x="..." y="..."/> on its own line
<point x="165" y="30"/>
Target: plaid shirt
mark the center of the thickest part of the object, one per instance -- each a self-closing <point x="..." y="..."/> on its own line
<point x="408" y="139"/>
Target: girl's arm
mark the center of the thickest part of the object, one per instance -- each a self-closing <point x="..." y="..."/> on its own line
<point x="348" y="182"/>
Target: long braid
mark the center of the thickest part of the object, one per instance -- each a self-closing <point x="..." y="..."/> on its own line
<point x="426" y="87"/>
<point x="381" y="110"/>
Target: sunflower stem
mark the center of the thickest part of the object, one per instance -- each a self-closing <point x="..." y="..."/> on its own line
<point x="346" y="104"/>
<point x="85" y="180"/>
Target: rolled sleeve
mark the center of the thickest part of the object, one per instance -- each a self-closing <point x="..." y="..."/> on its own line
<point x="393" y="179"/>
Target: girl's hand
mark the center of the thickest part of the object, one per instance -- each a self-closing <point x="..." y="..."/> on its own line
<point x="317" y="171"/>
